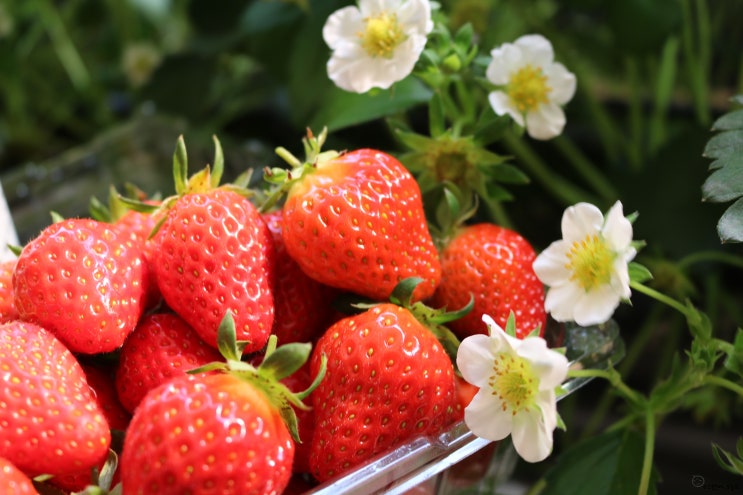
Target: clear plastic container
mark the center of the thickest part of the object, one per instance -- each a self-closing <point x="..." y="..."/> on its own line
<point x="457" y="460"/>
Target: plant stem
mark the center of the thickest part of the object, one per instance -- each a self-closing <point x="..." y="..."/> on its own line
<point x="724" y="383"/>
<point x="586" y="168"/>
<point x="561" y="189"/>
<point x="661" y="297"/>
<point x="703" y="256"/>
<point x="647" y="460"/>
<point x="613" y="377"/>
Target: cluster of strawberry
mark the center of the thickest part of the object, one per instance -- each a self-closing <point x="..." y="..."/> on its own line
<point x="173" y="336"/>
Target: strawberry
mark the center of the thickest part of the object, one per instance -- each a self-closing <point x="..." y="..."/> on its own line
<point x="50" y="422"/>
<point x="13" y="481"/>
<point x="302" y="304"/>
<point x="388" y="380"/>
<point x="492" y="265"/>
<point x="100" y="379"/>
<point x="214" y="254"/>
<point x="355" y="221"/>
<point x="82" y="281"/>
<point x="7" y="305"/>
<point x="221" y="432"/>
<point x="162" y="346"/>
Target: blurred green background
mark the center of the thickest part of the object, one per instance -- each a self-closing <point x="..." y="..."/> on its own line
<point x="95" y="92"/>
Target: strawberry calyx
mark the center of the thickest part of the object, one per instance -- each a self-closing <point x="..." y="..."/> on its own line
<point x="278" y="363"/>
<point x="433" y="319"/>
<point x="205" y="180"/>
<point x="284" y="179"/>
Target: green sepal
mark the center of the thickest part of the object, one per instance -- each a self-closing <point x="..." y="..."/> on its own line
<point x="638" y="273"/>
<point x="15" y="249"/>
<point x="511" y="325"/>
<point x="285" y="360"/>
<point x="218" y="165"/>
<point x="227" y="343"/>
<point x="180" y="166"/>
<point x="727" y="461"/>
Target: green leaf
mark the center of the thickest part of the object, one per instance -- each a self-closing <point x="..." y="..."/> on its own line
<point x="725" y="183"/>
<point x="730" y="226"/>
<point x="728" y="461"/>
<point x="607" y="464"/>
<point x="639" y="273"/>
<point x="729" y="122"/>
<point x="343" y="109"/>
<point x="734" y="360"/>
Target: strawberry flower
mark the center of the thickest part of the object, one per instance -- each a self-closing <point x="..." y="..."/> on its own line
<point x="531" y="87"/>
<point x="376" y="43"/>
<point x="517" y="381"/>
<point x="587" y="271"/>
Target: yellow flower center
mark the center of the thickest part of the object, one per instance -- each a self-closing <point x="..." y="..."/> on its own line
<point x="528" y="88"/>
<point x="590" y="262"/>
<point x="382" y="35"/>
<point x="513" y="381"/>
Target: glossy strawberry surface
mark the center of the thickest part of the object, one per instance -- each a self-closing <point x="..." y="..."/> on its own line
<point x="388" y="380"/>
<point x="493" y="265"/>
<point x="83" y="281"/>
<point x="50" y="422"/>
<point x="213" y="255"/>
<point x="356" y="222"/>
<point x="206" y="434"/>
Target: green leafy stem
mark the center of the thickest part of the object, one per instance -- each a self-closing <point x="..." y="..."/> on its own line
<point x="700" y="369"/>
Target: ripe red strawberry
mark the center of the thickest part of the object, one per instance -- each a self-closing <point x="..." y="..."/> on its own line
<point x="13" y="481"/>
<point x="82" y="281"/>
<point x="7" y="306"/>
<point x="355" y="221"/>
<point x="50" y="422"/>
<point x="493" y="264"/>
<point x="161" y="347"/>
<point x="137" y="226"/>
<point x="213" y="255"/>
<point x="227" y="428"/>
<point x="388" y="380"/>
<point x="206" y="434"/>
<point x="302" y="304"/>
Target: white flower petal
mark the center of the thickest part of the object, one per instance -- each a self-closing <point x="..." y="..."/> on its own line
<point x="559" y="301"/>
<point x="475" y="359"/>
<point x="545" y="122"/>
<point x="562" y="82"/>
<point x="416" y="14"/>
<point x="581" y="220"/>
<point x="617" y="229"/>
<point x="502" y="105"/>
<point x="531" y="437"/>
<point x="595" y="307"/>
<point x="551" y="366"/>
<point x="342" y="26"/>
<point x="486" y="418"/>
<point x="505" y="60"/>
<point x="549" y="266"/>
<point x="536" y="48"/>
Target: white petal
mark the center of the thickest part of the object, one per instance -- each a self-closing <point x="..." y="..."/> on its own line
<point x="581" y="220"/>
<point x="342" y="26"/>
<point x="547" y="402"/>
<point x="560" y="301"/>
<point x="502" y="105"/>
<point x="551" y="366"/>
<point x="549" y="265"/>
<point x="545" y="122"/>
<point x="415" y="15"/>
<point x="486" y="418"/>
<point x="562" y="82"/>
<point x="537" y="49"/>
<point x="595" y="307"/>
<point x="475" y="359"/>
<point x="505" y="60"/>
<point x="617" y="229"/>
<point x="620" y="279"/>
<point x="531" y="437"/>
